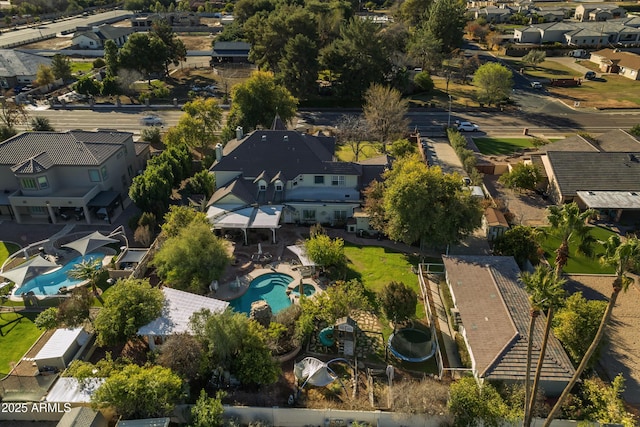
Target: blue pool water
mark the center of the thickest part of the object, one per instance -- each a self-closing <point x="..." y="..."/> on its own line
<point x="271" y="287"/>
<point x="306" y="288"/>
<point x="50" y="283"/>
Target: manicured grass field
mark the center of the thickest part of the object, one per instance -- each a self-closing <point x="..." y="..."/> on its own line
<point x="81" y="66"/>
<point x="18" y="335"/>
<point x="7" y="249"/>
<point x="579" y="264"/>
<point x="344" y="153"/>
<point x="502" y="146"/>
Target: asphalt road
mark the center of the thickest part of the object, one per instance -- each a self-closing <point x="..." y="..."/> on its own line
<point x="45" y="28"/>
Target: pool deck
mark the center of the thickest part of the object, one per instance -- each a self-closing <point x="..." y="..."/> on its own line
<point x="236" y="288"/>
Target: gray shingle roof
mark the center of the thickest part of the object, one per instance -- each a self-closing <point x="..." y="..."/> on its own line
<point x="16" y="63"/>
<point x="285" y="151"/>
<point x="47" y="149"/>
<point x="575" y="171"/>
<point x="494" y="309"/>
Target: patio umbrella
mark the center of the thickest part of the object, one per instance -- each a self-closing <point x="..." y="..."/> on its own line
<point x="260" y="248"/>
<point x="90" y="243"/>
<point x="28" y="270"/>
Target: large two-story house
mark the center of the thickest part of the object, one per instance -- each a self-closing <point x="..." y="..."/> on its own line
<point x="49" y="176"/>
<point x="279" y="175"/>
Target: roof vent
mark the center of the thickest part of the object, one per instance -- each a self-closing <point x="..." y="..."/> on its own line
<point x="591" y="193"/>
<point x="264" y="137"/>
<point x="633" y="158"/>
<point x="285" y="138"/>
<point x="633" y="193"/>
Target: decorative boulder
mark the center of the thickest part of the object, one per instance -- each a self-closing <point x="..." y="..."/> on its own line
<point x="261" y="312"/>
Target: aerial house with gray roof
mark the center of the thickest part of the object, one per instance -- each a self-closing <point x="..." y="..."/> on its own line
<point x="45" y="174"/>
<point x="278" y="175"/>
<point x="493" y="309"/>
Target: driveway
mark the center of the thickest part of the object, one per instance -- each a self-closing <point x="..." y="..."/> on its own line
<point x="526" y="208"/>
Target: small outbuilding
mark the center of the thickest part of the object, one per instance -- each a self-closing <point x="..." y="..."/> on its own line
<point x="345" y="335"/>
<point x="494" y="223"/>
<point x="82" y="416"/>
<point x="62" y="348"/>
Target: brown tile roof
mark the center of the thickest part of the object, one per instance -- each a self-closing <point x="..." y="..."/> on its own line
<point x="494" y="309"/>
<point x="624" y="59"/>
<point x="495" y="217"/>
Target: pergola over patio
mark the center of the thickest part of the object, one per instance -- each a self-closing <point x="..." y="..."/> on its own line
<point x="245" y="218"/>
<point x="612" y="202"/>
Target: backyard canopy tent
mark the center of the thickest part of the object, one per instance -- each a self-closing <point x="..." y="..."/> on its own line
<point x="28" y="270"/>
<point x="299" y="251"/>
<point x="178" y="309"/>
<point x="244" y="218"/>
<point x="90" y="243"/>
<point x="61" y="348"/>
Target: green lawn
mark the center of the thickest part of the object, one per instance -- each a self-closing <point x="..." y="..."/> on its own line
<point x="546" y="70"/>
<point x="579" y="264"/>
<point x="344" y="153"/>
<point x="18" y="335"/>
<point x="81" y="66"/>
<point x="7" y="249"/>
<point x="502" y="146"/>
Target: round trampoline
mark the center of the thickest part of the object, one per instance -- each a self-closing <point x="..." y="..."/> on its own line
<point x="412" y="345"/>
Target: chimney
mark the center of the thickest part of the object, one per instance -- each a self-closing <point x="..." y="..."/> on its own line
<point x="219" y="151"/>
<point x="239" y="133"/>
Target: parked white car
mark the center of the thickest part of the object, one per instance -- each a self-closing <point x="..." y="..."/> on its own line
<point x="536" y="85"/>
<point x="467" y="127"/>
<point x="151" y="121"/>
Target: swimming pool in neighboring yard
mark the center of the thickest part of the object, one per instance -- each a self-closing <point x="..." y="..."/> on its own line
<point x="271" y="287"/>
<point x="50" y="283"/>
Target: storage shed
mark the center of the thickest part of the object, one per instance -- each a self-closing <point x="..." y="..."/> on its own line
<point x="61" y="348"/>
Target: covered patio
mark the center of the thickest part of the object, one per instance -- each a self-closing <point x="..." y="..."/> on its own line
<point x="245" y="218"/>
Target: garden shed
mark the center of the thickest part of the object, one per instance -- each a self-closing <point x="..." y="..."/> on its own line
<point x="62" y="348"/>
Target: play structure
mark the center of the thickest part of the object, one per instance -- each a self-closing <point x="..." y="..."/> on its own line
<point x="412" y="345"/>
<point x="342" y="333"/>
<point x="316" y="372"/>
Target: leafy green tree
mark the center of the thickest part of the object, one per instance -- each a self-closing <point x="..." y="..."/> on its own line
<point x="534" y="57"/>
<point x="403" y="148"/>
<point x="522" y="177"/>
<point x="110" y="86"/>
<point x="41" y="124"/>
<point x="358" y="58"/>
<point x="446" y="21"/>
<point x="298" y="68"/>
<point x="352" y="131"/>
<point x="140" y="392"/>
<point x="384" y="111"/>
<point x="207" y="412"/>
<point x="87" y="270"/>
<point x="425" y="48"/>
<point x="472" y="405"/>
<point x="257" y="101"/>
<point x="233" y="341"/>
<point x="61" y="67"/>
<point x="568" y="223"/>
<point x="192" y="259"/>
<point x="87" y="85"/>
<point x="12" y="114"/>
<point x="576" y="324"/>
<point x="605" y="405"/>
<point x="546" y="292"/>
<point x="182" y="353"/>
<point x="48" y="319"/>
<point x="144" y="53"/>
<point x="398" y="301"/>
<point x="520" y="242"/>
<point x="423" y="81"/>
<point x="179" y="217"/>
<point x="325" y="251"/>
<point x="103" y="368"/>
<point x="176" y="51"/>
<point x="635" y="130"/>
<point x="494" y="82"/>
<point x="412" y="11"/>
<point x="625" y="257"/>
<point x="128" y="305"/>
<point x="198" y="126"/>
<point x="373" y="204"/>
<point x="152" y="135"/>
<point x="202" y="182"/>
<point x="44" y="76"/>
<point x="245" y="9"/>
<point x="111" y="57"/>
<point x="75" y="309"/>
<point x="423" y="204"/>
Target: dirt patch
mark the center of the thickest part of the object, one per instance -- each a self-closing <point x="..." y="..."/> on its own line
<point x="198" y="42"/>
<point x="526" y="208"/>
<point x="56" y="43"/>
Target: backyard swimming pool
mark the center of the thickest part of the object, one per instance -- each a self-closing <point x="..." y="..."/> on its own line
<point x="50" y="283"/>
<point x="271" y="287"/>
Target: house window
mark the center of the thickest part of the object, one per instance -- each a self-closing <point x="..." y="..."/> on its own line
<point x="318" y="179"/>
<point x="278" y="186"/>
<point x="28" y="183"/>
<point x="338" y="180"/>
<point x="43" y="182"/>
<point x="105" y="175"/>
<point x="262" y="185"/>
<point x="340" y="215"/>
<point x="37" y="210"/>
<point x="308" y="215"/>
<point x="94" y="175"/>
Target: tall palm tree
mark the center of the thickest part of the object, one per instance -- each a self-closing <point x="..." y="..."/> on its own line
<point x="545" y="293"/>
<point x="87" y="270"/>
<point x="623" y="256"/>
<point x="567" y="221"/>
